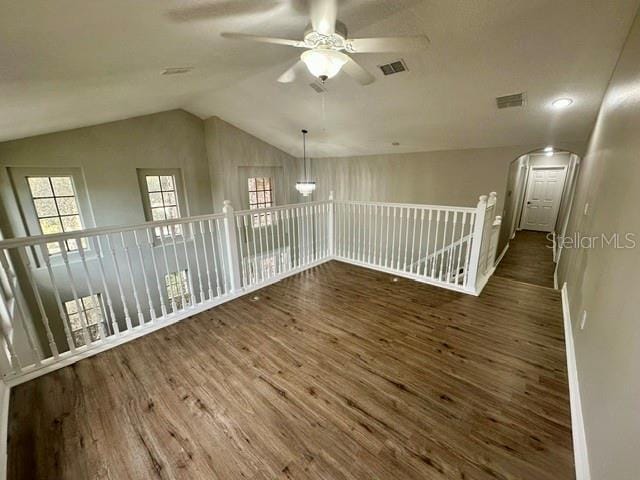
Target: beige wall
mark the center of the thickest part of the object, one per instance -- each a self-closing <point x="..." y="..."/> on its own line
<point x="603" y="281"/>
<point x="235" y="155"/>
<point x="452" y="177"/>
<point x="109" y="154"/>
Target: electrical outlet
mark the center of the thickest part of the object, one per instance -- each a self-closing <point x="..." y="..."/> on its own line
<point x="583" y="320"/>
<point x="586" y="208"/>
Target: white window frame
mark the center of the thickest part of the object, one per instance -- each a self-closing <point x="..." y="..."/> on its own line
<point x="100" y="308"/>
<point x="19" y="178"/>
<point x="256" y="218"/>
<point x="143" y="173"/>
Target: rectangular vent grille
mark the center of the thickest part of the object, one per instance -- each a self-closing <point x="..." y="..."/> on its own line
<point x="510" y="101"/>
<point x="317" y="87"/>
<point x="176" y="70"/>
<point x="394" y="67"/>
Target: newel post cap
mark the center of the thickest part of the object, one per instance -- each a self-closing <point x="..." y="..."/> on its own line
<point x="482" y="199"/>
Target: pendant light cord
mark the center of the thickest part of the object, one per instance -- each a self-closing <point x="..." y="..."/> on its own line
<point x="304" y="153"/>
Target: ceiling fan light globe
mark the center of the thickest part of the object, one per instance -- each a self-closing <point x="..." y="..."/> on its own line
<point x="323" y="63"/>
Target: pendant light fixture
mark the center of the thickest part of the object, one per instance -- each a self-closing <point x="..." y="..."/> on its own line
<point x="306" y="187"/>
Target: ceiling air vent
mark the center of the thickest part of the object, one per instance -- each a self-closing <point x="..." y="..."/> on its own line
<point x="394" y="67"/>
<point x="176" y="70"/>
<point x="509" y="101"/>
<point x="317" y="87"/>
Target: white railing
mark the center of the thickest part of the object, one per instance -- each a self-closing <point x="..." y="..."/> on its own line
<point x="67" y="296"/>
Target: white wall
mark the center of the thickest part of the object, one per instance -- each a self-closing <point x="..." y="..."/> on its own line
<point x="603" y="281"/>
<point x="453" y="177"/>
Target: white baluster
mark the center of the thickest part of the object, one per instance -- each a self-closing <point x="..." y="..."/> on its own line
<point x="188" y="270"/>
<point x="426" y="253"/>
<point x="242" y="258"/>
<point x="56" y="293"/>
<point x="34" y="287"/>
<point x="72" y="284"/>
<point x="132" y="280"/>
<point x="451" y="247"/>
<point x="413" y="239"/>
<point x="461" y="246"/>
<point x="103" y="278"/>
<point x="172" y="299"/>
<point x="197" y="257"/>
<point x="386" y="245"/>
<point x="163" y="307"/>
<point x="435" y="246"/>
<point x="246" y="219"/>
<point x="291" y="250"/>
<point x="152" y="311"/>
<point x="467" y="266"/>
<point x="417" y="262"/>
<point x="25" y="322"/>
<point x="444" y="244"/>
<point x="223" y="255"/>
<point x="87" y="277"/>
<point x="375" y="235"/>
<point x="393" y="238"/>
<point x="275" y="216"/>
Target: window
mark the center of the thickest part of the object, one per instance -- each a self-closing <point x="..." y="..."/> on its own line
<point x="177" y="287"/>
<point x="162" y="198"/>
<point x="92" y="307"/>
<point x="260" y="196"/>
<point x="56" y="207"/>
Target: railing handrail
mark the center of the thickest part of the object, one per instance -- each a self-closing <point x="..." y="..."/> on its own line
<point x="443" y="208"/>
<point x="260" y="211"/>
<point x="94" y="231"/>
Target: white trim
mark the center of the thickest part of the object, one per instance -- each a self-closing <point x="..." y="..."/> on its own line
<point x="501" y="256"/>
<point x="411" y="276"/>
<point x="580" y="452"/>
<point x="67" y="358"/>
<point x="5" y="391"/>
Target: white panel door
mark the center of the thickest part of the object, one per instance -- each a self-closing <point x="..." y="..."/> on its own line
<point x="544" y="192"/>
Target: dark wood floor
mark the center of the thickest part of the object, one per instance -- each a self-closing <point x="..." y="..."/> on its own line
<point x="336" y="373"/>
<point x="529" y="259"/>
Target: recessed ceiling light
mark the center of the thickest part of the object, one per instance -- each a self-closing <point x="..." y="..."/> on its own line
<point x="561" y="103"/>
<point x="396" y="144"/>
<point x="548" y="149"/>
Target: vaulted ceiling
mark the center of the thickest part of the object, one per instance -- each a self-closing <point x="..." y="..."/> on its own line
<point x="72" y="63"/>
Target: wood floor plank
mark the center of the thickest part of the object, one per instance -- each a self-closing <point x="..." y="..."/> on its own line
<point x="338" y="372"/>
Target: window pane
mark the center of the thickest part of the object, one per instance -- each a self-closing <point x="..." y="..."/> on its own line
<point x="74" y="321"/>
<point x="169" y="198"/>
<point x="260" y="197"/>
<point x="72" y="245"/>
<point x="153" y="183"/>
<point x="158" y="214"/>
<point x="45" y="207"/>
<point x="155" y="199"/>
<point x="93" y="316"/>
<point x="50" y="225"/>
<point x="253" y="197"/>
<point x="267" y="197"/>
<point x="40" y="187"/>
<point x="172" y="212"/>
<point x="67" y="205"/>
<point x="71" y="223"/>
<point x="267" y="183"/>
<point x="166" y="181"/>
<point x="70" y="306"/>
<point x="62" y="186"/>
<point x="53" y="248"/>
<point x="252" y="184"/>
<point x="259" y="184"/>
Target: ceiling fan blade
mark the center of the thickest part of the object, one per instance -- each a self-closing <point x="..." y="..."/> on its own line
<point x="294" y="72"/>
<point x="388" y="44"/>
<point x="323" y="16"/>
<point x="357" y="72"/>
<point x="258" y="38"/>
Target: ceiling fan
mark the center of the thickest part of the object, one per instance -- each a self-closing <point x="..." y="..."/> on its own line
<point x="326" y="46"/>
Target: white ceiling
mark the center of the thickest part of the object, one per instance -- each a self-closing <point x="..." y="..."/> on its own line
<point x="71" y="63"/>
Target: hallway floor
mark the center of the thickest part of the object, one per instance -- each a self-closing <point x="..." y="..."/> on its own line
<point x="529" y="259"/>
<point x="338" y="372"/>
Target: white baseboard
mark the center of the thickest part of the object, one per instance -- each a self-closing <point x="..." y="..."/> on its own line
<point x="501" y="256"/>
<point x="580" y="452"/>
<point x="4" y="427"/>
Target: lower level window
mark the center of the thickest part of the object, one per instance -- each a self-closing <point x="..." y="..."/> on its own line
<point x="178" y="288"/>
<point x="91" y="308"/>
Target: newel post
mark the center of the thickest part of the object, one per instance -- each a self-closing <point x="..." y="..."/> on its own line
<point x="231" y="241"/>
<point x="476" y="243"/>
<point x="331" y="220"/>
